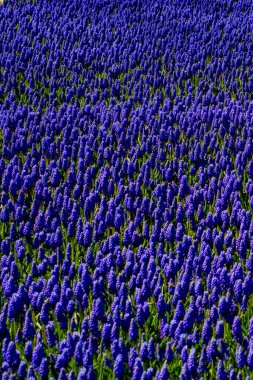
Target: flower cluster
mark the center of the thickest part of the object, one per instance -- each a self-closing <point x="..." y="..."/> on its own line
<point x="126" y="189"/>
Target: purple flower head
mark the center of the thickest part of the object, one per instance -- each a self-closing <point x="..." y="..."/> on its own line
<point x="15" y="306"/>
<point x="237" y="328"/>
<point x="137" y="369"/>
<point x="219" y="330"/>
<point x="221" y="372"/>
<point x="144" y="351"/>
<point x="192" y="361"/>
<point x="118" y="367"/>
<point x="43" y="369"/>
<point x="12" y="356"/>
<point x="212" y="350"/>
<point x="31" y="373"/>
<point x="38" y="355"/>
<point x="184" y="354"/>
<point x="133" y="330"/>
<point x="22" y="370"/>
<point x="28" y="329"/>
<point x="241" y="357"/>
<point x="163" y="373"/>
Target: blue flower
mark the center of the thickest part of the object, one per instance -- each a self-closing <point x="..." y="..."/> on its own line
<point x="133" y="330"/>
<point x="43" y="369"/>
<point x="28" y="329"/>
<point x="237" y="328"/>
<point x="118" y="367"/>
<point x="38" y="355"/>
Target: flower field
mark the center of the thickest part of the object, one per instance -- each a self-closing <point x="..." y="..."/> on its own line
<point x="126" y="189"/>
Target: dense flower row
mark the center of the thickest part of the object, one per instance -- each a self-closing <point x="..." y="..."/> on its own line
<point x="126" y="193"/>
